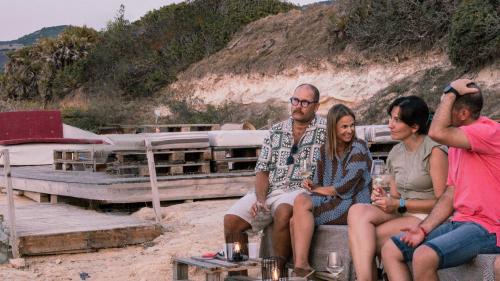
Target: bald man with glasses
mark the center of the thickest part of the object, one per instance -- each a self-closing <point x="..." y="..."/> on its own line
<point x="278" y="180"/>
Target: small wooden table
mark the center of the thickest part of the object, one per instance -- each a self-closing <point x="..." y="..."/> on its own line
<point x="213" y="267"/>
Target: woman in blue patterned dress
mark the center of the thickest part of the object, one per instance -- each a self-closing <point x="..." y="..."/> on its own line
<point x="342" y="179"/>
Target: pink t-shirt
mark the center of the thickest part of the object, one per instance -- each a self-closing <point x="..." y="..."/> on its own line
<point x="475" y="174"/>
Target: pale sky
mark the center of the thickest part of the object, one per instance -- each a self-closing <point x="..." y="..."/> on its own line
<point x="21" y="17"/>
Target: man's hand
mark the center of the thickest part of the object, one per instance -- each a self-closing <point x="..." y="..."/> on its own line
<point x="386" y="204"/>
<point x="259" y="205"/>
<point x="324" y="190"/>
<point x="413" y="236"/>
<point x="461" y="85"/>
<point x="308" y="185"/>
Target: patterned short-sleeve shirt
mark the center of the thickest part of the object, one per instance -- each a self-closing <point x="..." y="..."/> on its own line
<point x="277" y="147"/>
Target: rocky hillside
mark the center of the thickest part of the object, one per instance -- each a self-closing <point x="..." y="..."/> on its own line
<point x="266" y="60"/>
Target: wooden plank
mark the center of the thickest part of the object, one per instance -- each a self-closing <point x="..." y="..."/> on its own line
<point x="10" y="202"/>
<point x="218" y="262"/>
<point x="112" y="189"/>
<point x="180" y="271"/>
<point x="86" y="240"/>
<point x="237" y="159"/>
<point x="324" y="275"/>
<point x="201" y="264"/>
<point x="37" y="196"/>
<point x="153" y="180"/>
<point x="60" y="228"/>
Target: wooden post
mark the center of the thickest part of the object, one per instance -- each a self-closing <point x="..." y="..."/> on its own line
<point x="10" y="201"/>
<point x="153" y="180"/>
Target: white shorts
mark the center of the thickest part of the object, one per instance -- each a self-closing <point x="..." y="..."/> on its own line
<point x="242" y="208"/>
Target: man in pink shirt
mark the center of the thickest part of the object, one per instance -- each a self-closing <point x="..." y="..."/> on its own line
<point x="472" y="194"/>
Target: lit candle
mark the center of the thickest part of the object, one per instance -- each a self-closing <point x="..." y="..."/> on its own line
<point x="275" y="274"/>
<point x="236" y="247"/>
<point x="236" y="252"/>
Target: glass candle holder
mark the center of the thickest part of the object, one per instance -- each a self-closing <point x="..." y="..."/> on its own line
<point x="274" y="269"/>
<point x="237" y="247"/>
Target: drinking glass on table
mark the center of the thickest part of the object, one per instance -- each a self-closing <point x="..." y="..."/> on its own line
<point x="380" y="178"/>
<point x="334" y="264"/>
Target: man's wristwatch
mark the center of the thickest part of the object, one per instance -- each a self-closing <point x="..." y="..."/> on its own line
<point x="450" y="89"/>
<point x="402" y="206"/>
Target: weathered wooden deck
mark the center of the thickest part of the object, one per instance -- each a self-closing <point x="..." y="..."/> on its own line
<point x="106" y="188"/>
<point x="44" y="228"/>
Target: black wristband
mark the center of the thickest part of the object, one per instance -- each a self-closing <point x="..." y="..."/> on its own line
<point x="450" y="89"/>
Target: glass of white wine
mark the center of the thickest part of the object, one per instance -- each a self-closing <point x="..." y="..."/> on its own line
<point x="334" y="264"/>
<point x="380" y="179"/>
<point x="305" y="169"/>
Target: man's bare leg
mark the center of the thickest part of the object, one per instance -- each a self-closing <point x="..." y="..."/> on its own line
<point x="425" y="264"/>
<point x="281" y="231"/>
<point x="394" y="263"/>
<point x="303" y="230"/>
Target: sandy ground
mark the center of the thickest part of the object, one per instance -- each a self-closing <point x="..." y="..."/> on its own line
<point x="191" y="229"/>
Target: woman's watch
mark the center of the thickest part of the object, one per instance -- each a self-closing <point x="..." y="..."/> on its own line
<point x="402" y="206"/>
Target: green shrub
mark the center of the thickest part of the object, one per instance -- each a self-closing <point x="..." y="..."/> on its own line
<point x="31" y="71"/>
<point x="475" y="33"/>
<point x="81" y="118"/>
<point x="138" y="58"/>
<point x="388" y="25"/>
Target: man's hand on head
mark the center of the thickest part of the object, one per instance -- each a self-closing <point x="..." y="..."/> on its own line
<point x="463" y="86"/>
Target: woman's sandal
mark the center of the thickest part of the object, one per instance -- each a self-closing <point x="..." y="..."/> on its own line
<point x="304" y="273"/>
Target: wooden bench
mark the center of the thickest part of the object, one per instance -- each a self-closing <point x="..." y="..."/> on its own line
<point x="328" y="238"/>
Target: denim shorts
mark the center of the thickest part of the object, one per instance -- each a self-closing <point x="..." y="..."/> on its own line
<point x="455" y="243"/>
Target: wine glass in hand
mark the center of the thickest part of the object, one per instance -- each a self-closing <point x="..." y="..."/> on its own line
<point x="305" y="169"/>
<point x="334" y="264"/>
<point x="380" y="179"/>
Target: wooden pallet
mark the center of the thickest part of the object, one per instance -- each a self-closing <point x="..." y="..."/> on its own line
<point x="234" y="158"/>
<point x="170" y="156"/>
<point x="80" y="160"/>
<point x="80" y="166"/>
<point x="234" y="165"/>
<point x="161" y="169"/>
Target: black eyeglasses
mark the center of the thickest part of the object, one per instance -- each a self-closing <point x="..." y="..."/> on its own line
<point x="290" y="159"/>
<point x="303" y="103"/>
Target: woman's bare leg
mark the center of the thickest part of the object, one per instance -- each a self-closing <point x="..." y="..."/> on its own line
<point x="362" y="220"/>
<point x="303" y="229"/>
